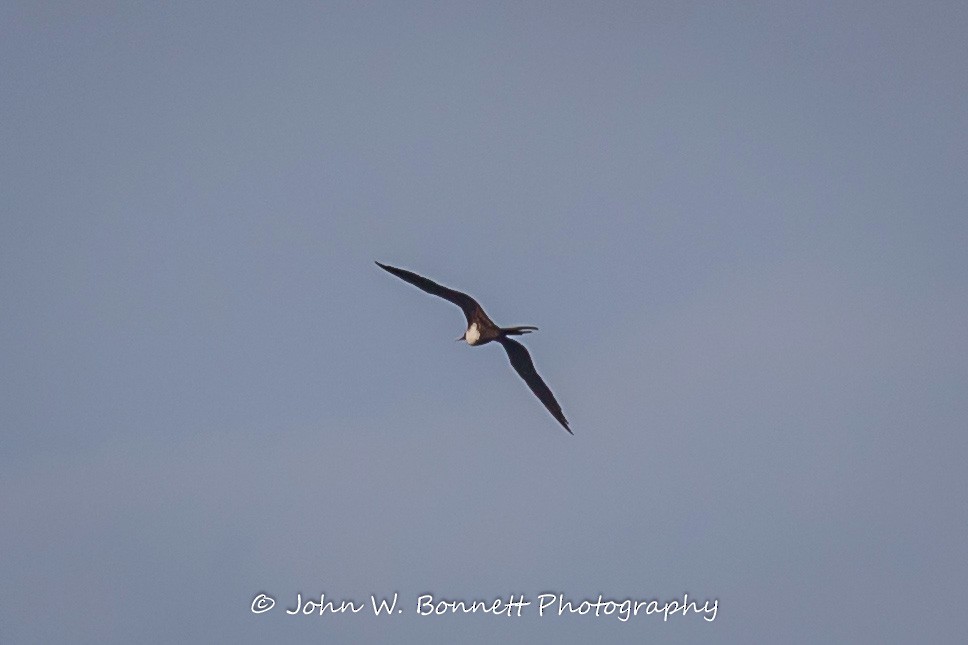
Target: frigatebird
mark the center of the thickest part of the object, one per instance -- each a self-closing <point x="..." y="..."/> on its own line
<point x="482" y="330"/>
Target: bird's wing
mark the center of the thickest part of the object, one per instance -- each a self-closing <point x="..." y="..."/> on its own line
<point x="524" y="366"/>
<point x="462" y="300"/>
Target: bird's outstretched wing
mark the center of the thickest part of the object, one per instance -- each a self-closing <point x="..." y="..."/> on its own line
<point x="462" y="300"/>
<point x="524" y="366"/>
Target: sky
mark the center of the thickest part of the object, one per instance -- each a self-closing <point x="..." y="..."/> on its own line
<point x="740" y="228"/>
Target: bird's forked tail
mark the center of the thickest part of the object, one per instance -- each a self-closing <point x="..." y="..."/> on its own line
<point x="517" y="331"/>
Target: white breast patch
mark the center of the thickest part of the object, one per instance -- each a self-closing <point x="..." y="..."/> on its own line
<point x="473" y="334"/>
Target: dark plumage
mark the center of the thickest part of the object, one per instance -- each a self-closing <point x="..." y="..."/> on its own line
<point x="482" y="330"/>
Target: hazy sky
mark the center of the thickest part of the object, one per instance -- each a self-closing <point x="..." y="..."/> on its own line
<point x="740" y="227"/>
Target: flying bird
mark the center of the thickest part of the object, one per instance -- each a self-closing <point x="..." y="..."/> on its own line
<point x="482" y="330"/>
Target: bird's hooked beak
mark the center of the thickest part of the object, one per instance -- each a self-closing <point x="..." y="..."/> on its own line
<point x="461" y="338"/>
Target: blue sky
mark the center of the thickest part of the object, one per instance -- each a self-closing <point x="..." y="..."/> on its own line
<point x="739" y="227"/>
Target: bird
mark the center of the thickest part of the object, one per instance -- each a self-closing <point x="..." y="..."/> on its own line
<point x="482" y="330"/>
